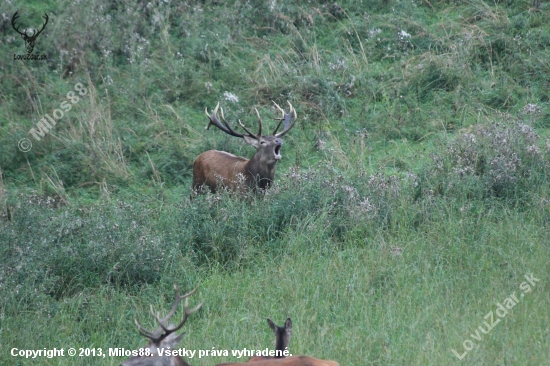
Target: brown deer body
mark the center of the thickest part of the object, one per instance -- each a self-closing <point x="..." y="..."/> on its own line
<point x="215" y="168"/>
<point x="282" y="340"/>
<point x="164" y="338"/>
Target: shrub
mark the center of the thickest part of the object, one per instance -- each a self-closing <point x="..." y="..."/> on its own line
<point x="502" y="159"/>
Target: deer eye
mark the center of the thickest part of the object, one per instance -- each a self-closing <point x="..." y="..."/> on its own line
<point x="263" y="142"/>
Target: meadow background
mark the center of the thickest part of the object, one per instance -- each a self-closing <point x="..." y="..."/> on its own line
<point x="412" y="196"/>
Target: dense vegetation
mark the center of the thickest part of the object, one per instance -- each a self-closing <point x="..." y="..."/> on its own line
<point x="412" y="197"/>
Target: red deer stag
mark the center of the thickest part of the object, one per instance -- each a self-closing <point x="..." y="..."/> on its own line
<point x="282" y="339"/>
<point x="215" y="168"/>
<point x="164" y="338"/>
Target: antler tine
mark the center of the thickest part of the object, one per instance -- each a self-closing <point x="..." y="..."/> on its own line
<point x="177" y="300"/>
<point x="293" y="110"/>
<point x="146" y="333"/>
<point x="186" y="315"/>
<point x="259" y="123"/>
<point x="210" y="118"/>
<point x="158" y="335"/>
<point x="248" y="131"/>
<point x="280" y="119"/>
<point x="162" y="322"/>
<point x="225" y="121"/>
<point x="216" y="122"/>
<point x="287" y="117"/>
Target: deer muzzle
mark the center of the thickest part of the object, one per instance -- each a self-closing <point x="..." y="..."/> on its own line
<point x="277" y="149"/>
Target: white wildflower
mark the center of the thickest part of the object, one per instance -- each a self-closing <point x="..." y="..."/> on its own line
<point x="230" y="97"/>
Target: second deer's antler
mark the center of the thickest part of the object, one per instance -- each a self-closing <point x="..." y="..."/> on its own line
<point x="162" y="332"/>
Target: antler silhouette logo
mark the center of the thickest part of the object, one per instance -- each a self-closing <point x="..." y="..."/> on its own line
<point x="29" y="39"/>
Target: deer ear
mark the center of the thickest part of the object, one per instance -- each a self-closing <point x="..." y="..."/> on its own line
<point x="251" y="141"/>
<point x="272" y="325"/>
<point x="288" y="325"/>
<point x="172" y="340"/>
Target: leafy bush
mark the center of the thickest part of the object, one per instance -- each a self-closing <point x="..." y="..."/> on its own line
<point x="502" y="159"/>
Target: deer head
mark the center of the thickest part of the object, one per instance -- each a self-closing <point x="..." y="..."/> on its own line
<point x="282" y="339"/>
<point x="282" y="335"/>
<point x="29" y="39"/>
<point x="213" y="167"/>
<point x="164" y="337"/>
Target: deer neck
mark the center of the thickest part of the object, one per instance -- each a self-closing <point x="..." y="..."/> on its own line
<point x="279" y="343"/>
<point x="260" y="173"/>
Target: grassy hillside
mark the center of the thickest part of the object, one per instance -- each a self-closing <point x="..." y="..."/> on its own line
<point x="411" y="200"/>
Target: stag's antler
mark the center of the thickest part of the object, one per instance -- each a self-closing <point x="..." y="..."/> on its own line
<point x="227" y="129"/>
<point x="162" y="332"/>
<point x="286" y="117"/>
<point x="257" y="136"/>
